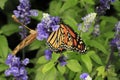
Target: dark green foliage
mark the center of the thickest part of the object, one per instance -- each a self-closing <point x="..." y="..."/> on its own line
<point x="96" y="60"/>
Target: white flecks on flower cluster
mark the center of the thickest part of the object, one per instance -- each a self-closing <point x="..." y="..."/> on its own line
<point x="87" y="21"/>
<point x="89" y="18"/>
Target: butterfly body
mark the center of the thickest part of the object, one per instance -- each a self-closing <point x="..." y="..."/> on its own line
<point x="65" y="38"/>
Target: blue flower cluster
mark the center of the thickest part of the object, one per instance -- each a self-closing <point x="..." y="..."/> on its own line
<point x="47" y="25"/>
<point x="16" y="67"/>
<point x="116" y="40"/>
<point x="23" y="14"/>
<point x="104" y="5"/>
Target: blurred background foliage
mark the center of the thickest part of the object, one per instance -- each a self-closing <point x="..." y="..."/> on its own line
<point x="97" y="61"/>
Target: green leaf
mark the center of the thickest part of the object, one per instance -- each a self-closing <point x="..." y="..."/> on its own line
<point x="62" y="69"/>
<point x="39" y="74"/>
<point x="95" y="57"/>
<point x="34" y="45"/>
<point x="98" y="45"/>
<point x="2" y="60"/>
<point x="109" y="19"/>
<point x="3" y="46"/>
<point x="90" y="2"/>
<point x="2" y="3"/>
<point x="117" y="5"/>
<point x="87" y="61"/>
<point x="71" y="21"/>
<point x="2" y="78"/>
<point x="111" y="71"/>
<point x="55" y="56"/>
<point x="9" y="29"/>
<point x="71" y="75"/>
<point x="3" y="67"/>
<point x="101" y="71"/>
<point x="68" y="4"/>
<point x="48" y="66"/>
<point x="51" y="75"/>
<point x="42" y="60"/>
<point x="74" y="65"/>
<point x="54" y="8"/>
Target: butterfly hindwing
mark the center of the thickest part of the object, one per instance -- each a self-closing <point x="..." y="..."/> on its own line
<point x="74" y="41"/>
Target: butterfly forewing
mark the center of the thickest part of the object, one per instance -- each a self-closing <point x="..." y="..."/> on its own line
<point x="55" y="40"/>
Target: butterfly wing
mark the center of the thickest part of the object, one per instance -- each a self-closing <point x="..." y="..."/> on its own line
<point x="55" y="40"/>
<point x="73" y="41"/>
<point x="65" y="38"/>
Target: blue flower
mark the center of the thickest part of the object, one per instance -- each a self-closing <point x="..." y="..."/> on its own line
<point x="48" y="54"/>
<point x="47" y="25"/>
<point x="25" y="61"/>
<point x="16" y="67"/>
<point x="104" y="5"/>
<point x="62" y="60"/>
<point x="42" y="32"/>
<point x="85" y="76"/>
<point x="116" y="40"/>
<point x="23" y="14"/>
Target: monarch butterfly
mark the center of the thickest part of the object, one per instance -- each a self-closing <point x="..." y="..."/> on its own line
<point x="65" y="38"/>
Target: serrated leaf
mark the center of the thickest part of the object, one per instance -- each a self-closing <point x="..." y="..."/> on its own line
<point x="42" y="60"/>
<point x="68" y="4"/>
<point x="98" y="45"/>
<point x="74" y="65"/>
<point x="62" y="69"/>
<point x="95" y="57"/>
<point x="2" y="3"/>
<point x="87" y="61"/>
<point x="9" y="29"/>
<point x="48" y="66"/>
<point x="3" y="46"/>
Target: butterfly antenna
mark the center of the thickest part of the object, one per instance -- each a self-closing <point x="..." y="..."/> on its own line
<point x="16" y="20"/>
